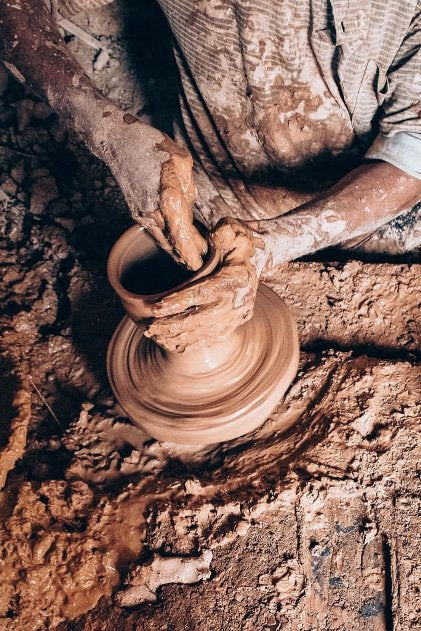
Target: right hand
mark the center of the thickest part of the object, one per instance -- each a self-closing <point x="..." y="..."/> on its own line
<point x="213" y="307"/>
<point x="155" y="176"/>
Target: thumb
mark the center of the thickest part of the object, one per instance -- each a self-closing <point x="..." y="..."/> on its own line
<point x="188" y="244"/>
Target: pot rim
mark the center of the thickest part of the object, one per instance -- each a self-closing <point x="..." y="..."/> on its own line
<point x="116" y="254"/>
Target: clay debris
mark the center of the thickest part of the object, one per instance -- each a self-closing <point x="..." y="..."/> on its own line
<point x="15" y="413"/>
<point x="310" y="523"/>
<point x="144" y="581"/>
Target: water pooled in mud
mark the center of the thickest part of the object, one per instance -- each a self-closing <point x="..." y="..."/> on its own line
<point x="154" y="275"/>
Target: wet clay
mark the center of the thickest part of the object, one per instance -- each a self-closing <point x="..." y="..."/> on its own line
<point x="267" y="505"/>
<point x="313" y="527"/>
<point x="212" y="309"/>
<point x="15" y="412"/>
<point x="177" y="196"/>
<point x="220" y="387"/>
<point x="211" y="394"/>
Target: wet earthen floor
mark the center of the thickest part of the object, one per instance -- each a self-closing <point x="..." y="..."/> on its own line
<point x="310" y="523"/>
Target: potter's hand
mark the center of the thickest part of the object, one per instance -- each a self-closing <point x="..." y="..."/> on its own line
<point x="217" y="304"/>
<point x="155" y="175"/>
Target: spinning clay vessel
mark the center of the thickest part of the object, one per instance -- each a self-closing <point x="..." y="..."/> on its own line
<point x="200" y="396"/>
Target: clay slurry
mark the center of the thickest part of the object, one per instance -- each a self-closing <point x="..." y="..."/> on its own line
<point x="154" y="275"/>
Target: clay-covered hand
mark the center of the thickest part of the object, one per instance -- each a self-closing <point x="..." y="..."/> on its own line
<point x="212" y="308"/>
<point x="155" y="176"/>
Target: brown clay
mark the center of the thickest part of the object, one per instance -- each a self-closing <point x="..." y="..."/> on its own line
<point x="135" y="248"/>
<point x="15" y="406"/>
<point x="207" y="394"/>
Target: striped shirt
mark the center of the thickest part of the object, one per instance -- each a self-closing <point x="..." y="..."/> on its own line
<point x="294" y="91"/>
<point x="283" y="94"/>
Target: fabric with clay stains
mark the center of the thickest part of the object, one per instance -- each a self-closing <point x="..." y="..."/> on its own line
<point x="292" y="86"/>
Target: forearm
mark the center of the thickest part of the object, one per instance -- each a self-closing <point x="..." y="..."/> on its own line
<point x="34" y="52"/>
<point x="361" y="202"/>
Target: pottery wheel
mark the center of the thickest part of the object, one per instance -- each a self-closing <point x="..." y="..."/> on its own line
<point x="174" y="404"/>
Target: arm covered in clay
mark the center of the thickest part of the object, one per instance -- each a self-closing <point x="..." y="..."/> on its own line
<point x="366" y="199"/>
<point x="363" y="201"/>
<point x="154" y="174"/>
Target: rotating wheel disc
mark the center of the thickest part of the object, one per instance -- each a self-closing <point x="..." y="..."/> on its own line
<point x="209" y="406"/>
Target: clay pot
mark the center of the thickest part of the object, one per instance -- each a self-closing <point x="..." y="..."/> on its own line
<point x="201" y="396"/>
<point x="134" y="246"/>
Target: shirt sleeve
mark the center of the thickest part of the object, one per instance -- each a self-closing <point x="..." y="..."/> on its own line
<point x="403" y="150"/>
<point x="399" y="139"/>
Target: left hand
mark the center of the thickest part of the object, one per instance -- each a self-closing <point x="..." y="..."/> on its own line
<point x="216" y="305"/>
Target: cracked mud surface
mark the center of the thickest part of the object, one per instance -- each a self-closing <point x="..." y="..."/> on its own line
<point x="310" y="523"/>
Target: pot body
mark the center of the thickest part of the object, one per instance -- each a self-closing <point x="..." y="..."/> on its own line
<point x="133" y="247"/>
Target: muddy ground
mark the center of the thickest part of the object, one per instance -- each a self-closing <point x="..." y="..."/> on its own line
<point x="310" y="523"/>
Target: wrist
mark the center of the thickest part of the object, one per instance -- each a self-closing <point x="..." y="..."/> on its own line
<point x="274" y="246"/>
<point x="261" y="260"/>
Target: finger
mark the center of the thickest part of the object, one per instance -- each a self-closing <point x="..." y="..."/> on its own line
<point x="176" y="331"/>
<point x="188" y="244"/>
<point x="161" y="240"/>
<point x="154" y="224"/>
<point x="233" y="240"/>
<point x="189" y="340"/>
<point x="177" y="214"/>
<point x="200" y="241"/>
<point x="206" y="291"/>
<point x="198" y="319"/>
<point x="191" y="196"/>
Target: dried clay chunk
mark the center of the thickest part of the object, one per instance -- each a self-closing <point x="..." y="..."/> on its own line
<point x="15" y="412"/>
